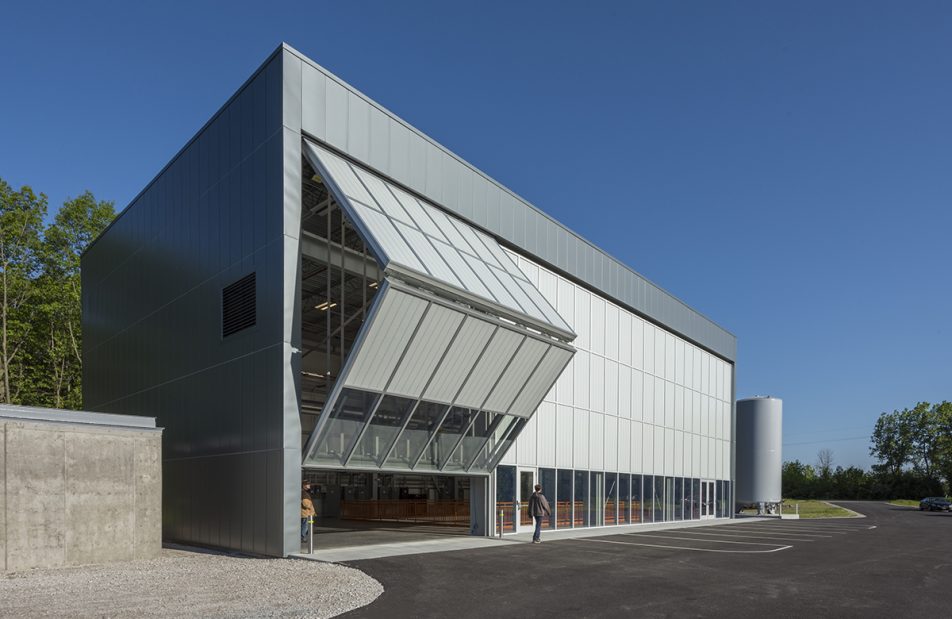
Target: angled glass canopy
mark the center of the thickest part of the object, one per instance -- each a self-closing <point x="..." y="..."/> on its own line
<point x="455" y="353"/>
<point x="415" y="239"/>
<point x="433" y="386"/>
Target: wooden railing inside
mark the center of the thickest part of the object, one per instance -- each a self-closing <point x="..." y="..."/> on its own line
<point x="395" y="510"/>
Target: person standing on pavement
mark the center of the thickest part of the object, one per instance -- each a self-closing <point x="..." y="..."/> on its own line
<point x="538" y="509"/>
<point x="307" y="509"/>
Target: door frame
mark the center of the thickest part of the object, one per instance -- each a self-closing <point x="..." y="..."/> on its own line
<point x="522" y="502"/>
<point x="708" y="508"/>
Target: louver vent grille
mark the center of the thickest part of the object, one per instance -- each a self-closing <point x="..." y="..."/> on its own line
<point x="238" y="309"/>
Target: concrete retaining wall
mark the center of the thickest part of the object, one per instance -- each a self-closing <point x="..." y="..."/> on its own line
<point x="72" y="493"/>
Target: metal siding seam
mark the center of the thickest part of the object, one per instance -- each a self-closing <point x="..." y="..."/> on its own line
<point x="464" y="342"/>
<point x="419" y="355"/>
<point x="506" y="389"/>
<point x="486" y="376"/>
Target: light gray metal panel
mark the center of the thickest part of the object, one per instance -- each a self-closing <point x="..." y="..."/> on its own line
<point x="431" y="170"/>
<point x="541" y="381"/>
<point x="313" y="87"/>
<point x="358" y="127"/>
<point x="459" y="265"/>
<point x="399" y="150"/>
<point x="383" y="198"/>
<point x="516" y="375"/>
<point x="429" y="256"/>
<point x="449" y="376"/>
<point x="491" y="365"/>
<point x="759" y="451"/>
<point x="420" y="217"/>
<point x="425" y="351"/>
<point x="387" y="337"/>
<point x="335" y="123"/>
<point x="379" y="139"/>
<point x="382" y="231"/>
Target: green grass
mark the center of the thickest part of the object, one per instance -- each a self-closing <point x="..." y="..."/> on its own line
<point x="905" y="502"/>
<point x="810" y="508"/>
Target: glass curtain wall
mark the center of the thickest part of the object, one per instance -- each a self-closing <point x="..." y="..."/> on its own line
<point x="339" y="280"/>
<point x="637" y="499"/>
<point x="678" y="498"/>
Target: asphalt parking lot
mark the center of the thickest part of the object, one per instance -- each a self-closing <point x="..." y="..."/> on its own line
<point x="896" y="561"/>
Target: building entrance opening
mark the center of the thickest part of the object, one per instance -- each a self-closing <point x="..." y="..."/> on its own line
<point x="362" y="508"/>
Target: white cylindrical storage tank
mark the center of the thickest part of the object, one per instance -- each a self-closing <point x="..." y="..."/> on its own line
<point x="759" y="436"/>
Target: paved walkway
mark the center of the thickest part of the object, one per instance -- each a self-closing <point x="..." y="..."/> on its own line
<point x="378" y="548"/>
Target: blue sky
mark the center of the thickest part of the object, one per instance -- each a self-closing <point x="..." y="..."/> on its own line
<point x="785" y="168"/>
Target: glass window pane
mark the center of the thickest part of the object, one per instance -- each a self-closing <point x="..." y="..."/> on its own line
<point x="506" y="497"/>
<point x="500" y="426"/>
<point x="658" y="498"/>
<point x="472" y="442"/>
<point x="695" y="499"/>
<point x="547" y="479"/>
<point x="386" y="422"/>
<point x="636" y="499"/>
<point x="678" y="498"/>
<point x="420" y="428"/>
<point x="346" y="419"/>
<point x="611" y="499"/>
<point x="581" y="499"/>
<point x="648" y="499"/>
<point x="450" y="434"/>
<point x="624" y="498"/>
<point x="596" y="500"/>
<point x="563" y="500"/>
<point x="507" y="442"/>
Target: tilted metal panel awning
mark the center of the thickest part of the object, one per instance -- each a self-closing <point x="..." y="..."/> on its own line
<point x="416" y="241"/>
<point x="432" y="385"/>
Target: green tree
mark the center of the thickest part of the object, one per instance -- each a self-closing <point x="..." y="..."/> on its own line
<point x="892" y="441"/>
<point x="21" y="224"/>
<point x="75" y="226"/>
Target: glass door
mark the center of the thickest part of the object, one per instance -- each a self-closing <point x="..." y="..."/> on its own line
<point x="707" y="499"/>
<point x="527" y="482"/>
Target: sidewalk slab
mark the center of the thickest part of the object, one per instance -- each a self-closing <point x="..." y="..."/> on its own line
<point x="451" y="543"/>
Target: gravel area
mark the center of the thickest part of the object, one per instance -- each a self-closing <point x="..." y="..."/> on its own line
<point x="189" y="584"/>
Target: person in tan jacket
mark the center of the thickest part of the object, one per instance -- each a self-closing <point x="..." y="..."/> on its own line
<point x="307" y="508"/>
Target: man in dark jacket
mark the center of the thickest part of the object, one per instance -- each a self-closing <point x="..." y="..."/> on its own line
<point x="538" y="509"/>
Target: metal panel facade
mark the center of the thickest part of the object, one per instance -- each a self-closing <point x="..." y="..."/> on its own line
<point x="152" y="326"/>
<point x="424" y="166"/>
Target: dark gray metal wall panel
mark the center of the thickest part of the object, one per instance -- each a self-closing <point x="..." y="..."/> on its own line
<point x="424" y="166"/>
<point x="152" y="320"/>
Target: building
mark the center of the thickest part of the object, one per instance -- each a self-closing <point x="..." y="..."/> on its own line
<point x="308" y="251"/>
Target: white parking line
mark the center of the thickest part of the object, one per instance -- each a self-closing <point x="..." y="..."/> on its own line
<point x="694" y="539"/>
<point x="606" y="541"/>
<point x="779" y="532"/>
<point x="751" y="536"/>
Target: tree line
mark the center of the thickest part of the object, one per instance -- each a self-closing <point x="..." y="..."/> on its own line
<point x="40" y="302"/>
<point x="913" y="449"/>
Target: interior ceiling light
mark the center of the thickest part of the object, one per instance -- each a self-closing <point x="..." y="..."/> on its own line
<point x="326" y="305"/>
<point x="317" y="178"/>
<point x="373" y="284"/>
